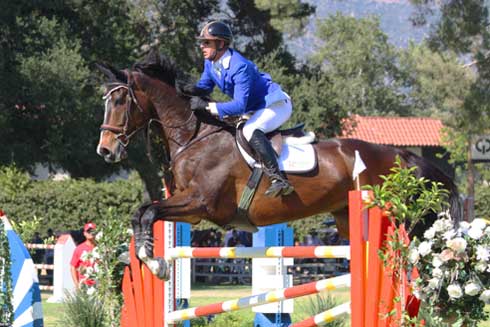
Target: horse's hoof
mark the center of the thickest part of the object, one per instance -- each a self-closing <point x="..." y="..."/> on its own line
<point x="142" y="253"/>
<point x="160" y="268"/>
<point x="124" y="258"/>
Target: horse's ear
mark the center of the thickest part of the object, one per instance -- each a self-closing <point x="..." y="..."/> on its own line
<point x="112" y="73"/>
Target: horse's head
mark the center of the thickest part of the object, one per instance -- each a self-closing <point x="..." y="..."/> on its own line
<point x="125" y="114"/>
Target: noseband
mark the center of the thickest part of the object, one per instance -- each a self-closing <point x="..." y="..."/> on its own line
<point x="122" y="132"/>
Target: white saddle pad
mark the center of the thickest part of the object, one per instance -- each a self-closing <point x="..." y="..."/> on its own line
<point x="294" y="158"/>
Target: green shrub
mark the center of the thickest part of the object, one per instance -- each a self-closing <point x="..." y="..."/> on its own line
<point x="67" y="205"/>
<point x="82" y="310"/>
<point x="320" y="303"/>
<point x="6" y="308"/>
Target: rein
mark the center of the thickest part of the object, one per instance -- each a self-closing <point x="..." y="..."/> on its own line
<point x="122" y="132"/>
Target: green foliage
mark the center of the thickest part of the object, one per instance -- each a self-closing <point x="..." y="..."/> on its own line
<point x="67" y="205"/>
<point x="27" y="228"/>
<point x="112" y="241"/>
<point x="361" y="65"/>
<point x="311" y="94"/>
<point x="231" y="319"/>
<point x="6" y="308"/>
<point x="289" y="16"/>
<point x="173" y="26"/>
<point x="83" y="310"/>
<point x="320" y="303"/>
<point x="408" y="198"/>
<point x="439" y="84"/>
<point x="13" y="181"/>
<point x="48" y="100"/>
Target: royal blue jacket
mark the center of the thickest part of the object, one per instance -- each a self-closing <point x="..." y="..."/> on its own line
<point x="240" y="79"/>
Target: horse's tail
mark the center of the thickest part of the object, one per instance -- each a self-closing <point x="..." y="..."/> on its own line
<point x="432" y="173"/>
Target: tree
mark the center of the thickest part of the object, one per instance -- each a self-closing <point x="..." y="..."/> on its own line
<point x="437" y="83"/>
<point x="361" y="65"/>
<point x="463" y="29"/>
<point x="48" y="107"/>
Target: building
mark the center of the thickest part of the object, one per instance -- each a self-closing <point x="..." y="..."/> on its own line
<point x="420" y="135"/>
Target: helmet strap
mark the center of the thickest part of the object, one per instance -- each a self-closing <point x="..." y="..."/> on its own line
<point x="217" y="50"/>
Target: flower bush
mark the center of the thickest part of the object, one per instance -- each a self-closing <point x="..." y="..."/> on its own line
<point x="454" y="267"/>
<point x="104" y="297"/>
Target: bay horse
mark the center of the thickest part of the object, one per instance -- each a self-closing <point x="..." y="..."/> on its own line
<point x="209" y="172"/>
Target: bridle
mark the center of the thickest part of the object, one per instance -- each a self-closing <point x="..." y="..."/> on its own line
<point x="122" y="134"/>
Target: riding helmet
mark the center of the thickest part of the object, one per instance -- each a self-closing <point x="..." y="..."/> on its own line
<point x="216" y="30"/>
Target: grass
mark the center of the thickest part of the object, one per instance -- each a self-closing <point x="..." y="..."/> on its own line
<point x="52" y="311"/>
<point x="207" y="294"/>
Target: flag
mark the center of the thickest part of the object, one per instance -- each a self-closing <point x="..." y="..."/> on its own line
<point x="26" y="299"/>
<point x="359" y="166"/>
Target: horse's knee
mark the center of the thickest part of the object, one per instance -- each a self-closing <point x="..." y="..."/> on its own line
<point x="149" y="216"/>
<point x="136" y="218"/>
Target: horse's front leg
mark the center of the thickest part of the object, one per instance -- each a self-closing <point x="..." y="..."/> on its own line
<point x="136" y="224"/>
<point x="177" y="208"/>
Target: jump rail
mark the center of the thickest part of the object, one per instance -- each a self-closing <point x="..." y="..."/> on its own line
<point x="148" y="300"/>
<point x="330" y="252"/>
<point x="260" y="299"/>
<point x="40" y="266"/>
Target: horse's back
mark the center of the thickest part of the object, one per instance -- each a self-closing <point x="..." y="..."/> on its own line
<point x="378" y="159"/>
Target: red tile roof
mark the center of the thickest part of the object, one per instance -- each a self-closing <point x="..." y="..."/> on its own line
<point x="398" y="131"/>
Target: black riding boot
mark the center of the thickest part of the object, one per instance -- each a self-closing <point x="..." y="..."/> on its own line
<point x="266" y="153"/>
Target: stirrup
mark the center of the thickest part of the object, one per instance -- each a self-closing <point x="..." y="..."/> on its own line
<point x="279" y="187"/>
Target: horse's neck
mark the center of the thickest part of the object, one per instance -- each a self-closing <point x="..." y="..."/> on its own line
<point x="179" y="123"/>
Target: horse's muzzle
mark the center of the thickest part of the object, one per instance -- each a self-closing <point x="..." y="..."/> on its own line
<point x="112" y="156"/>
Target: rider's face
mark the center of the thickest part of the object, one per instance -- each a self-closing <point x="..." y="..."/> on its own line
<point x="208" y="48"/>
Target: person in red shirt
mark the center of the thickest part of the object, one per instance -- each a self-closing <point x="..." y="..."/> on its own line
<point x="79" y="262"/>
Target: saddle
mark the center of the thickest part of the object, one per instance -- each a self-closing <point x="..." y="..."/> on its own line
<point x="276" y="137"/>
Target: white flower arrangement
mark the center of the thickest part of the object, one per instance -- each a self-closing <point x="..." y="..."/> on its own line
<point x="454" y="267"/>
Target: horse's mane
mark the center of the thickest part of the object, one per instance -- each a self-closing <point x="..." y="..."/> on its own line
<point x="159" y="66"/>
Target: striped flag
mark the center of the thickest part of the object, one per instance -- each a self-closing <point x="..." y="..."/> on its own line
<point x="26" y="295"/>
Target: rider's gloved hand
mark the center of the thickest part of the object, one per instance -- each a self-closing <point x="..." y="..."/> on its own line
<point x="186" y="88"/>
<point x="198" y="104"/>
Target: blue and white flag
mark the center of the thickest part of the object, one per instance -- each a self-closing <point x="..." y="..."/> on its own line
<point x="26" y="300"/>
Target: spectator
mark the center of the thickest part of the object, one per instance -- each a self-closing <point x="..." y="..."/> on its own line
<point x="80" y="264"/>
<point x="233" y="240"/>
<point x="312" y="239"/>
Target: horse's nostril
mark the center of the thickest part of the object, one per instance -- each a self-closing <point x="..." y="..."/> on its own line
<point x="104" y="151"/>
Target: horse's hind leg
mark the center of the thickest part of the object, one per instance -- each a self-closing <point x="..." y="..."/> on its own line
<point x="342" y="222"/>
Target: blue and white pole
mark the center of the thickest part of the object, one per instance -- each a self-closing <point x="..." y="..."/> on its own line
<point x="271" y="273"/>
<point x="26" y="295"/>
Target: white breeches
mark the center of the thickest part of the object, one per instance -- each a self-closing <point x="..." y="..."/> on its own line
<point x="268" y="119"/>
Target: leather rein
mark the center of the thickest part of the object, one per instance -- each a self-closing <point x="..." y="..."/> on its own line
<point x="124" y="137"/>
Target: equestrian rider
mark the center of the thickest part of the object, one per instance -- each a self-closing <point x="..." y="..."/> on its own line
<point x="251" y="91"/>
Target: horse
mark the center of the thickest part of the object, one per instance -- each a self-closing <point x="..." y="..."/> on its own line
<point x="209" y="173"/>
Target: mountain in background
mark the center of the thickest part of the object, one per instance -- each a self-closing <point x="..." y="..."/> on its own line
<point x="394" y="18"/>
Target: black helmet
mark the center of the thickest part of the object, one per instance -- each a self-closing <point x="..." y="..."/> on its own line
<point x="216" y="30"/>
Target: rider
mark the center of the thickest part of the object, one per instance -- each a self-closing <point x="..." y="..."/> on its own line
<point x="251" y="91"/>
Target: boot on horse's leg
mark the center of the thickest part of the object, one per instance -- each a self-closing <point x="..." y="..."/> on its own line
<point x="266" y="153"/>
